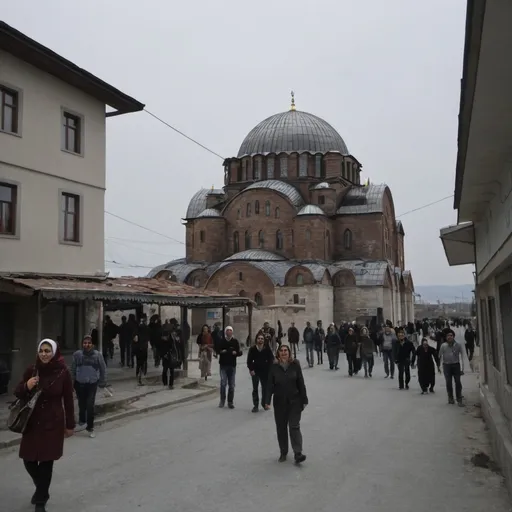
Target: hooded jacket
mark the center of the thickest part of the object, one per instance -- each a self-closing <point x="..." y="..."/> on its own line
<point x="226" y="349"/>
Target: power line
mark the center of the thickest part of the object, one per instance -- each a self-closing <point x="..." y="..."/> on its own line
<point x="144" y="227"/>
<point x="135" y="241"/>
<point x="142" y="250"/>
<point x="183" y="134"/>
<point x="126" y="265"/>
<point x="425" y="206"/>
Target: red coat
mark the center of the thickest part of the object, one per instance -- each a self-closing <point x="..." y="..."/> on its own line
<point x="43" y="439"/>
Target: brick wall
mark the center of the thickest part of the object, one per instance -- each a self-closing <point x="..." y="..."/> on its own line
<point x="208" y="242"/>
<point x="307" y="276"/>
<point x="316" y="247"/>
<point x="366" y="236"/>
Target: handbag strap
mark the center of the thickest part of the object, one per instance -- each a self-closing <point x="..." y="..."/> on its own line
<point x="52" y="382"/>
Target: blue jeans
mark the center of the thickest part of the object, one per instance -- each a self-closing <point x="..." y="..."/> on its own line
<point x="310" y="353"/>
<point x="227" y="378"/>
<point x="389" y="362"/>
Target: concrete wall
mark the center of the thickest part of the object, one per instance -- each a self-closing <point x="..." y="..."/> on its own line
<point x="34" y="161"/>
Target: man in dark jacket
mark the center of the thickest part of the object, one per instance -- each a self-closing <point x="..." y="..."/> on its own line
<point x="333" y="345"/>
<point x="469" y="337"/>
<point x="125" y="341"/>
<point x="309" y="340"/>
<point x="319" y="342"/>
<point x="229" y="351"/>
<point x="293" y="338"/>
<point x="259" y="360"/>
<point x="403" y="351"/>
<point x="140" y="349"/>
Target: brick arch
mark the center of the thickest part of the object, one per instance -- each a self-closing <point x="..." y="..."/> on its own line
<point x="292" y="276"/>
<point x="227" y="280"/>
<point x="197" y="278"/>
<point x="344" y="277"/>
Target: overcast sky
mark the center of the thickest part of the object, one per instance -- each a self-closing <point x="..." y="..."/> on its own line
<point x="386" y="75"/>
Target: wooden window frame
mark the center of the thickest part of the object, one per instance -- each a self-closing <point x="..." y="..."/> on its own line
<point x="15" y="110"/>
<point x="75" y="146"/>
<point x="13" y="205"/>
<point x="65" y="198"/>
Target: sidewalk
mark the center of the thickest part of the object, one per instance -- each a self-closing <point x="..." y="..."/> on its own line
<point x="130" y="399"/>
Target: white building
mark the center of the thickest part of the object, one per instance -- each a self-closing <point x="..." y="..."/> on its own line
<point x="52" y="187"/>
<point x="483" y="199"/>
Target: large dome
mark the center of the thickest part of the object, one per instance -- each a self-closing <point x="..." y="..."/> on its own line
<point x="292" y="131"/>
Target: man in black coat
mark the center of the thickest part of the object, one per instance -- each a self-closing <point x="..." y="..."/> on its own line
<point x="469" y="337"/>
<point x="229" y="351"/>
<point x="404" y="350"/>
<point x="259" y="360"/>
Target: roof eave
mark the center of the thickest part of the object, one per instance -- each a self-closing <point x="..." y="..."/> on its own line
<point x="24" y="48"/>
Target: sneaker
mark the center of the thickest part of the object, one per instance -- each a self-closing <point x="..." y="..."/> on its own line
<point x="255" y="409"/>
<point x="370" y="375"/>
<point x="460" y="403"/>
<point x="407" y="386"/>
<point x="80" y="427"/>
<point x="386" y="376"/>
<point x="282" y="458"/>
<point x="299" y="457"/>
<point x="221" y="405"/>
<point x="231" y="406"/>
<point x="451" y="401"/>
<point x="432" y="390"/>
<point x="92" y="434"/>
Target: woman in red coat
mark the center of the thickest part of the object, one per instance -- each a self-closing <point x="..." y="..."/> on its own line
<point x="53" y="417"/>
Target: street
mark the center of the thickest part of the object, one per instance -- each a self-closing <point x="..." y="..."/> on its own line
<point x="369" y="446"/>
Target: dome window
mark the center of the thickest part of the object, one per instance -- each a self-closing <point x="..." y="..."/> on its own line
<point x="283" y="166"/>
<point x="277" y="213"/>
<point x="244" y="170"/>
<point x="236" y="242"/>
<point x="257" y="207"/>
<point x="318" y="166"/>
<point x="258" y="299"/>
<point x="303" y="165"/>
<point x="267" y="208"/>
<point x="247" y="240"/>
<point x="241" y="278"/>
<point x="248" y="210"/>
<point x="270" y="168"/>
<point x="197" y="282"/>
<point x="299" y="281"/>
<point x="238" y="213"/>
<point x="347" y="239"/>
<point x="257" y="168"/>
<point x="261" y="240"/>
<point x="202" y="236"/>
<point x="308" y="235"/>
<point x="279" y="240"/>
<point x="328" y="244"/>
<point x="321" y="199"/>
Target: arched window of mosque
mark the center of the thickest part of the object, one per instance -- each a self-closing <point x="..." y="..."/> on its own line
<point x="247" y="240"/>
<point x="261" y="239"/>
<point x="293" y="239"/>
<point x="239" y="173"/>
<point x="244" y="170"/>
<point x="277" y="213"/>
<point x="193" y="240"/>
<point x="283" y="166"/>
<point x="248" y="210"/>
<point x="202" y="236"/>
<point x="197" y="282"/>
<point x="279" y="240"/>
<point x="270" y="167"/>
<point x="257" y="168"/>
<point x="303" y="165"/>
<point x="238" y="213"/>
<point x="267" y="208"/>
<point x="347" y="239"/>
<point x="308" y="235"/>
<point x="318" y="166"/>
<point x="299" y="280"/>
<point x="240" y="278"/>
<point x="236" y="242"/>
<point x="328" y="242"/>
<point x="258" y="299"/>
<point x="257" y="207"/>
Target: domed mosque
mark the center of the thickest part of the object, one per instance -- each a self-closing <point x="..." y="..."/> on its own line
<point x="294" y="227"/>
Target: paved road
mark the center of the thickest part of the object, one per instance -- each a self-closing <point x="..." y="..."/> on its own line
<point x="370" y="447"/>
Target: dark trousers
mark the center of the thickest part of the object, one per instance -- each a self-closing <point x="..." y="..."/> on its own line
<point x="350" y="360"/>
<point x="470" y="349"/>
<point x="310" y="355"/>
<point x="293" y="348"/>
<point x="227" y="379"/>
<point x="368" y="364"/>
<point x="319" y="355"/>
<point x="125" y="350"/>
<point x="156" y="355"/>
<point x="427" y="378"/>
<point x="404" y="369"/>
<point x="333" y="354"/>
<point x="287" y="418"/>
<point x="256" y="380"/>
<point x="41" y="474"/>
<point x="452" y="371"/>
<point x="389" y="362"/>
<point x="142" y="364"/>
<point x="86" y="394"/>
<point x="167" y="373"/>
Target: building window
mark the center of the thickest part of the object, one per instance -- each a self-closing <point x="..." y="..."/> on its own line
<point x="278" y="213"/>
<point x="258" y="299"/>
<point x="299" y="281"/>
<point x="248" y="210"/>
<point x="321" y="199"/>
<point x="308" y="235"/>
<point x="318" y="166"/>
<point x="257" y="168"/>
<point x="491" y="305"/>
<point x="293" y="239"/>
<point x="71" y="133"/>
<point x="257" y="207"/>
<point x="9" y="110"/>
<point x="296" y="299"/>
<point x="279" y="240"/>
<point x="328" y="244"/>
<point x="267" y="208"/>
<point x="261" y="239"/>
<point x="8" y="200"/>
<point x="70" y="205"/>
<point x="506" y="323"/>
<point x="240" y="276"/>
<point x="236" y="242"/>
<point x="202" y="236"/>
<point x="244" y="170"/>
<point x="239" y="173"/>
<point x="347" y="239"/>
<point x="283" y="166"/>
<point x="303" y="165"/>
<point x="270" y="167"/>
<point x="238" y="213"/>
<point x="247" y="240"/>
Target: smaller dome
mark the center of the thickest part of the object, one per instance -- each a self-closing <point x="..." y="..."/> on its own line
<point x="311" y="209"/>
<point x="322" y="185"/>
<point x="256" y="255"/>
<point x="209" y="212"/>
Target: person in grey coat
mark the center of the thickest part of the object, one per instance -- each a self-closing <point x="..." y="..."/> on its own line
<point x="451" y="357"/>
<point x="88" y="370"/>
<point x="388" y="341"/>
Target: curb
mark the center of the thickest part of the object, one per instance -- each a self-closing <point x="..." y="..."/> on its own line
<point x="126" y="414"/>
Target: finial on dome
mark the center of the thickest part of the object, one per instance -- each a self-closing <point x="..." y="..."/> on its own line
<point x="212" y="188"/>
<point x="292" y="107"/>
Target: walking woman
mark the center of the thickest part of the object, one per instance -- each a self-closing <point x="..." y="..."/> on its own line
<point x="333" y="345"/>
<point x="205" y="342"/>
<point x="52" y="419"/>
<point x="426" y="357"/>
<point x="170" y="359"/>
<point x="351" y="350"/>
<point x="286" y="384"/>
<point x="367" y="350"/>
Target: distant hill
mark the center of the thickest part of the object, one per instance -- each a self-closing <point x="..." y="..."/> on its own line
<point x="445" y="293"/>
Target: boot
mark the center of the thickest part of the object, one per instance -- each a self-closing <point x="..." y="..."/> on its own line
<point x="282" y="458"/>
<point x="299" y="458"/>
